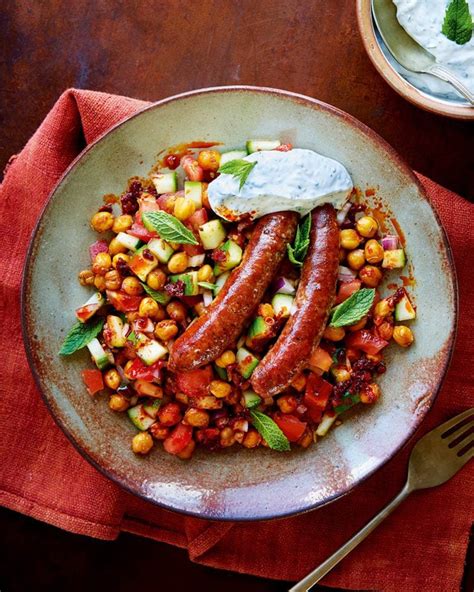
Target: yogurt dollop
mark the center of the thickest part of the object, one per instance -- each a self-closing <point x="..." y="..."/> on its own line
<point x="298" y="180"/>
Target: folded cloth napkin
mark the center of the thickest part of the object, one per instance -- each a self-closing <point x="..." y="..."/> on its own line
<point x="421" y="547"/>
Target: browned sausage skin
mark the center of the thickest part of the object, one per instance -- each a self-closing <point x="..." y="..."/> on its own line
<point x="210" y="335"/>
<point x="314" y="298"/>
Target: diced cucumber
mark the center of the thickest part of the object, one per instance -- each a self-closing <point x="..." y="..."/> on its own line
<point x="220" y="281"/>
<point x="99" y="355"/>
<point x="160" y="249"/>
<point x="258" y="332"/>
<point x="141" y="265"/>
<point x="251" y="399"/>
<point x="151" y="351"/>
<point x="282" y="304"/>
<point x="326" y="423"/>
<point x="221" y="372"/>
<point x="404" y="310"/>
<point x="193" y="191"/>
<point x="246" y="362"/>
<point x="140" y="418"/>
<point x="190" y="279"/>
<point x="165" y="182"/>
<point x="212" y="234"/>
<point x="232" y="155"/>
<point x="128" y="241"/>
<point x="85" y="312"/>
<point x="151" y="407"/>
<point x="233" y="256"/>
<point x="115" y="326"/>
<point x="259" y="145"/>
<point x="394" y="259"/>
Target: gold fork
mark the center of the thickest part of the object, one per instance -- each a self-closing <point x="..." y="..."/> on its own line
<point x="435" y="458"/>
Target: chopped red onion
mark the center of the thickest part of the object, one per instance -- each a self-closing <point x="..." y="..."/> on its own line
<point x="196" y="260"/>
<point x="345" y="274"/>
<point x="390" y="242"/>
<point x="282" y="285"/>
<point x="207" y="297"/>
<point x="119" y="369"/>
<point x="125" y="330"/>
<point x="342" y="214"/>
<point x="99" y="246"/>
<point x="301" y="409"/>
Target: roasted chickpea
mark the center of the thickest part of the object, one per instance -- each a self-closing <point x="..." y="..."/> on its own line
<point x="169" y="414"/>
<point x="373" y="251"/>
<point x="227" y="437"/>
<point x="200" y="309"/>
<point x="113" y="280"/>
<point x="299" y="382"/>
<point x="99" y="283"/>
<point x="349" y="239"/>
<point x="148" y="389"/>
<point x="220" y="389"/>
<point x="120" y="257"/>
<point x="148" y="307"/>
<point x="340" y="373"/>
<point x="112" y="379"/>
<point x="403" y="335"/>
<point x="159" y="432"/>
<point x="126" y="369"/>
<point x="178" y="262"/>
<point x="102" y="263"/>
<point x="187" y="451"/>
<point x="252" y="439"/>
<point x="102" y="221"/>
<point x="228" y="357"/>
<point x="183" y="208"/>
<point x="205" y="274"/>
<point x="182" y="398"/>
<point x="382" y="309"/>
<point x="198" y="418"/>
<point x="306" y="439"/>
<point x="86" y="277"/>
<point x="118" y="403"/>
<point x="370" y="394"/>
<point x="166" y="329"/>
<point x="356" y="259"/>
<point x="209" y="160"/>
<point x="370" y="276"/>
<point x="367" y="226"/>
<point x="287" y="403"/>
<point x="142" y="443"/>
<point x="359" y="325"/>
<point x="334" y="333"/>
<point x="385" y="330"/>
<point x="375" y="357"/>
<point x="266" y="311"/>
<point x="131" y="286"/>
<point x="116" y="247"/>
<point x="122" y="223"/>
<point x="208" y="402"/>
<point x="176" y="311"/>
<point x="156" y="279"/>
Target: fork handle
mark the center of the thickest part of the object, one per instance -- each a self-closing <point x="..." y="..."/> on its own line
<point x="312" y="578"/>
<point x="448" y="76"/>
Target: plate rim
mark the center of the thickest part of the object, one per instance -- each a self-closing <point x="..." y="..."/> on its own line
<point x="299" y="98"/>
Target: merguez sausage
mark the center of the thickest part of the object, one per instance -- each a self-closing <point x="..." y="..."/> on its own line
<point x="217" y="330"/>
<point x="314" y="298"/>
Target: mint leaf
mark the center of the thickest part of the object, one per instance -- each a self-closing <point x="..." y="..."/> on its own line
<point x="457" y="24"/>
<point x="169" y="228"/>
<point x="297" y="251"/>
<point x="269" y="431"/>
<point x="160" y="297"/>
<point x="239" y="168"/>
<point x="353" y="309"/>
<point x="80" y="335"/>
<point x="208" y="286"/>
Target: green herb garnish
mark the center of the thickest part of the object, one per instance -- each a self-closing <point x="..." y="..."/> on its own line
<point x="80" y="335"/>
<point x="349" y="402"/>
<point x="209" y="286"/>
<point x="353" y="309"/>
<point x="239" y="168"/>
<point x="457" y="24"/>
<point x="160" y="297"/>
<point x="297" y="251"/>
<point x="169" y="228"/>
<point x="269" y="431"/>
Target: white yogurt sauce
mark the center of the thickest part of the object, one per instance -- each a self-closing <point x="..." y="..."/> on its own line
<point x="297" y="180"/>
<point x="423" y="20"/>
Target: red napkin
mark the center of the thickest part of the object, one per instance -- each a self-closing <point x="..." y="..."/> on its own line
<point x="421" y="547"/>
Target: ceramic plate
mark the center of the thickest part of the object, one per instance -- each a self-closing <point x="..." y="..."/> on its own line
<point x="236" y="484"/>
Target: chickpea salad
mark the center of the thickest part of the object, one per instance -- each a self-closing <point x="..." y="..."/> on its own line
<point x="162" y="265"/>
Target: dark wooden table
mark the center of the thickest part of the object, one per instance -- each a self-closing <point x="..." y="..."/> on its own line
<point x="151" y="49"/>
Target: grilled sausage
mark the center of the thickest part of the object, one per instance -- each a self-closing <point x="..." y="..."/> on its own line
<point x="211" y="334"/>
<point x="314" y="298"/>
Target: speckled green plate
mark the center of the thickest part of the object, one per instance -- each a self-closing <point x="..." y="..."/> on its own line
<point x="236" y="484"/>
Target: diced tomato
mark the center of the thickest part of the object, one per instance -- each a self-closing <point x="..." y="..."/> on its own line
<point x="100" y="246"/>
<point x="166" y="201"/>
<point x="195" y="383"/>
<point x="320" y="359"/>
<point x="93" y="381"/>
<point x="366" y="341"/>
<point x="316" y="396"/>
<point x="170" y="414"/>
<point x="179" y="438"/>
<point x="199" y="218"/>
<point x="191" y="300"/>
<point x="192" y="250"/>
<point x="148" y="204"/>
<point x="138" y="370"/>
<point x="284" y="148"/>
<point x="193" y="170"/>
<point x="84" y="313"/>
<point x="291" y="426"/>
<point x="346" y="289"/>
<point x="123" y="302"/>
<point x="138" y="230"/>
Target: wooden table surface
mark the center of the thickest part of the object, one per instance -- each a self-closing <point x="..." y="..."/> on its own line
<point x="152" y="49"/>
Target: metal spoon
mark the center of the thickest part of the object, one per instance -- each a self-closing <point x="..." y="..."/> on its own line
<point x="407" y="51"/>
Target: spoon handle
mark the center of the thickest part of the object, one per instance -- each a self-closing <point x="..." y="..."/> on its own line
<point x="447" y="76"/>
<point x="312" y="578"/>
